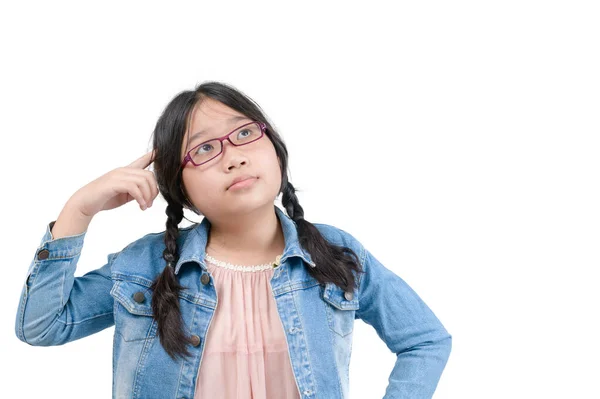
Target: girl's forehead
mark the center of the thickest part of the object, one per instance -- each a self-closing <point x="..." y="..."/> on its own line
<point x="210" y="116"/>
<point x="210" y="119"/>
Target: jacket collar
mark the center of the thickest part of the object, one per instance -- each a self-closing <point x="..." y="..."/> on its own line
<point x="194" y="245"/>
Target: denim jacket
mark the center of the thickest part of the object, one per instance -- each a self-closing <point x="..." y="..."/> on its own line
<point x="318" y="319"/>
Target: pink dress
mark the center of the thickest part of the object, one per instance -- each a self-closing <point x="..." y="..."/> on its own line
<point x="245" y="354"/>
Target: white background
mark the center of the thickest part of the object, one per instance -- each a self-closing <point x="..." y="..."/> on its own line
<point x="458" y="141"/>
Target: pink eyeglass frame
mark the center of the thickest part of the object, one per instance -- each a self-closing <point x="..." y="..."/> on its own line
<point x="188" y="157"/>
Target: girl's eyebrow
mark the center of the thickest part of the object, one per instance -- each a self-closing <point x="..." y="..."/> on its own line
<point x="204" y="131"/>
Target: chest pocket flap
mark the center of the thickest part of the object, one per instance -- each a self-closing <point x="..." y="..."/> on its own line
<point x="337" y="297"/>
<point x="133" y="311"/>
<point x="136" y="298"/>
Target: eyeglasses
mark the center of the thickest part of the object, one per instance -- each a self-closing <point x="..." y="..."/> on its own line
<point x="209" y="150"/>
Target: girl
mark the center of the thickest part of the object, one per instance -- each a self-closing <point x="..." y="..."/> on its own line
<point x="253" y="302"/>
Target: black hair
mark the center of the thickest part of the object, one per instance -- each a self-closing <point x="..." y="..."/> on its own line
<point x="333" y="263"/>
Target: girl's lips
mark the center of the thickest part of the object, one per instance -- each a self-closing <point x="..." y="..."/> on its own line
<point x="244" y="183"/>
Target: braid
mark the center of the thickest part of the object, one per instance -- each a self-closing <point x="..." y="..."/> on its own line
<point x="165" y="300"/>
<point x="291" y="203"/>
<point x="174" y="215"/>
<point x="296" y="213"/>
<point x="335" y="263"/>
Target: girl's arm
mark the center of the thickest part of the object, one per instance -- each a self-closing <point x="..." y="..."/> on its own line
<point x="407" y="326"/>
<point x="55" y="307"/>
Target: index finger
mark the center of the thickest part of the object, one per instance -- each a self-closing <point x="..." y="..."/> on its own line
<point x="144" y="161"/>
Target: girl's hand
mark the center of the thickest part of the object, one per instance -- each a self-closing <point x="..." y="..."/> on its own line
<point x="118" y="187"/>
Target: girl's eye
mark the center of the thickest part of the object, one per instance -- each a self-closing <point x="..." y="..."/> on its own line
<point x="204" y="148"/>
<point x="245" y="130"/>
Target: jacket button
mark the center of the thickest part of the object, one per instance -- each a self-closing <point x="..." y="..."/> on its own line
<point x="205" y="279"/>
<point x="139" y="297"/>
<point x="348" y="295"/>
<point x="43" y="254"/>
<point x="195" y="340"/>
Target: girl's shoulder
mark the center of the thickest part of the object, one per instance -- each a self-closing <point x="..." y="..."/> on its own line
<point x="339" y="236"/>
<point x="144" y="255"/>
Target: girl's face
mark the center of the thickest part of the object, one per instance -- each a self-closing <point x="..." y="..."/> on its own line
<point x="207" y="185"/>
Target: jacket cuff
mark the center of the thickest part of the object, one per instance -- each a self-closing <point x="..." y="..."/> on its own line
<point x="59" y="248"/>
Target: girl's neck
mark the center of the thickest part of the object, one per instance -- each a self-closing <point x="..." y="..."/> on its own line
<point x="257" y="243"/>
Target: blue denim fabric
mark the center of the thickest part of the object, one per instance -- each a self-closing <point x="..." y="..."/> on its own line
<point x="55" y="308"/>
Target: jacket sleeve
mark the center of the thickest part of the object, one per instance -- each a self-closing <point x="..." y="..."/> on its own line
<point x="407" y="326"/>
<point x="55" y="307"/>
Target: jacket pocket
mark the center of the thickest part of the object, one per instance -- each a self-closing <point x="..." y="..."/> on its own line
<point x="133" y="311"/>
<point x="341" y="308"/>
